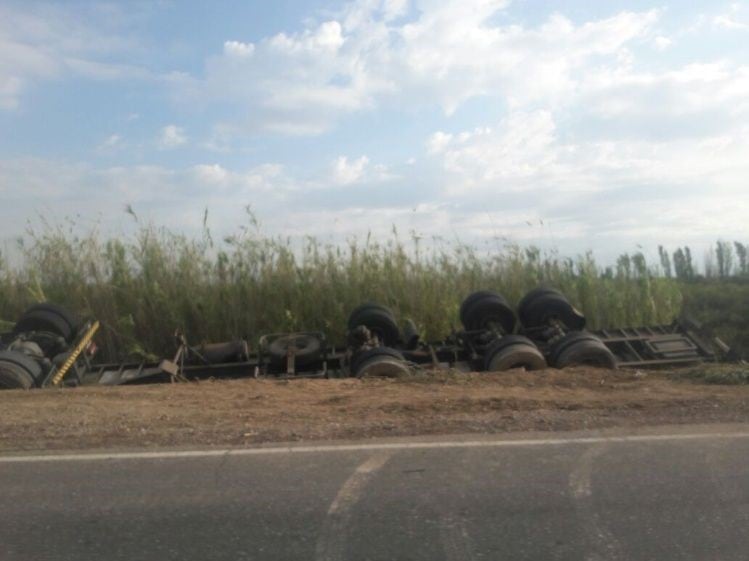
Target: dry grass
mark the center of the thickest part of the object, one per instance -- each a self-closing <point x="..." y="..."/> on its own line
<point x="144" y="287"/>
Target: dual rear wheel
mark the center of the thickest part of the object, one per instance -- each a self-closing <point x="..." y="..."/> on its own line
<point x="18" y="371"/>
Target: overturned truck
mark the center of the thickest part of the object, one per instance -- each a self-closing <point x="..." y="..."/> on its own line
<point x="49" y="347"/>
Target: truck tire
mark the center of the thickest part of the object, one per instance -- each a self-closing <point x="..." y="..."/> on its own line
<point x="379" y="320"/>
<point x="308" y="349"/>
<point x="471" y="298"/>
<point x="380" y="362"/>
<point x="61" y="311"/>
<point x="483" y="308"/>
<point x="530" y="296"/>
<point x="50" y="318"/>
<point x="581" y="349"/>
<point x="565" y="341"/>
<point x="587" y="353"/>
<point x="546" y="307"/>
<point x="513" y="351"/>
<point x="18" y="371"/>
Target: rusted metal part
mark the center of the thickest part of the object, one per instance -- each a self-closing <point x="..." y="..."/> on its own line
<point x="658" y="346"/>
<point x="70" y="361"/>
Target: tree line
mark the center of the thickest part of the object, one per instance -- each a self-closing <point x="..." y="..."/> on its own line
<point x="722" y="261"/>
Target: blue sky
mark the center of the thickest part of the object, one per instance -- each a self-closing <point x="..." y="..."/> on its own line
<point x="575" y="125"/>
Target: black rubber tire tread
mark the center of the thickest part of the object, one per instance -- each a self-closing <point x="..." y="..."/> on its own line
<point x="25" y="363"/>
<point x="518" y="355"/>
<point x="538" y="312"/>
<point x="506" y="341"/>
<point x="13" y="377"/>
<point x="530" y="296"/>
<point x="587" y="353"/>
<point x="569" y="339"/>
<point x="383" y="367"/>
<point x="362" y="356"/>
<point x="491" y="307"/>
<point x="380" y="321"/>
<point x="72" y="320"/>
<point x="353" y="320"/>
<point x="472" y="297"/>
<point x="221" y="353"/>
<point x="45" y="320"/>
<point x="311" y="352"/>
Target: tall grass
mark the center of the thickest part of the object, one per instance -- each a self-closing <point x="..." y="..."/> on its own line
<point x="144" y="287"/>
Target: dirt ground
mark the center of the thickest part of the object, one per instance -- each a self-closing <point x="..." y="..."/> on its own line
<point x="245" y="412"/>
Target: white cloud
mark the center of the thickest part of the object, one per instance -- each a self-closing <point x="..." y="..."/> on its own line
<point x="58" y="188"/>
<point x="600" y="193"/>
<point x="345" y="172"/>
<point x="10" y="90"/>
<point x="237" y="48"/>
<point x="522" y="147"/>
<point x="450" y="52"/>
<point x="358" y="171"/>
<point x="583" y="195"/>
<point x="327" y="37"/>
<point x="172" y="136"/>
<point x="727" y="22"/>
<point x="713" y="90"/>
<point x="601" y="140"/>
<point x="438" y="142"/>
<point x="112" y="141"/>
<point x="211" y="173"/>
<point x="393" y="9"/>
<point x="662" y="43"/>
<point x="44" y="41"/>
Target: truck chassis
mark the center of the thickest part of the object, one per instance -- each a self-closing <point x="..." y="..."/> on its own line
<point x="549" y="332"/>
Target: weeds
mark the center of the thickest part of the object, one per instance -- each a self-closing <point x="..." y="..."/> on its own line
<point x="733" y="374"/>
<point x="144" y="287"/>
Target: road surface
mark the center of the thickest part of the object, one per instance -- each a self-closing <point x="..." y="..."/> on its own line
<point x="658" y="496"/>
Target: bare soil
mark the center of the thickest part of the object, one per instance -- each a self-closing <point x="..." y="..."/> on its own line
<point x="245" y="412"/>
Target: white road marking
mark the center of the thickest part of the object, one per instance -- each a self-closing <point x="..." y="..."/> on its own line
<point x="456" y="543"/>
<point x="332" y="539"/>
<point x="177" y="454"/>
<point x="580" y="477"/>
<point x="604" y="545"/>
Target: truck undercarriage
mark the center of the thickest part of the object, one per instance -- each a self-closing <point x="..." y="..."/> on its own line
<point x="49" y="347"/>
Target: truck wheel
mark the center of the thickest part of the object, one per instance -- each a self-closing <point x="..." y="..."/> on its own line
<point x="513" y="351"/>
<point x="61" y="311"/>
<point x="567" y="340"/>
<point x="17" y="371"/>
<point x="50" y="318"/>
<point x="581" y="349"/>
<point x="546" y="307"/>
<point x="379" y="320"/>
<point x="530" y="296"/>
<point x="380" y="362"/>
<point x="471" y="298"/>
<point x="587" y="353"/>
<point x="307" y="349"/>
<point x="483" y="308"/>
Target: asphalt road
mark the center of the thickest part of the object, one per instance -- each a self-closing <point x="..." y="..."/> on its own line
<point x="658" y="498"/>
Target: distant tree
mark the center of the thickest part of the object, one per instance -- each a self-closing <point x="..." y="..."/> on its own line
<point x="680" y="265"/>
<point x="640" y="264"/>
<point x="724" y="256"/>
<point x="741" y="254"/>
<point x="689" y="267"/>
<point x="710" y="269"/>
<point x="624" y="266"/>
<point x="665" y="261"/>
